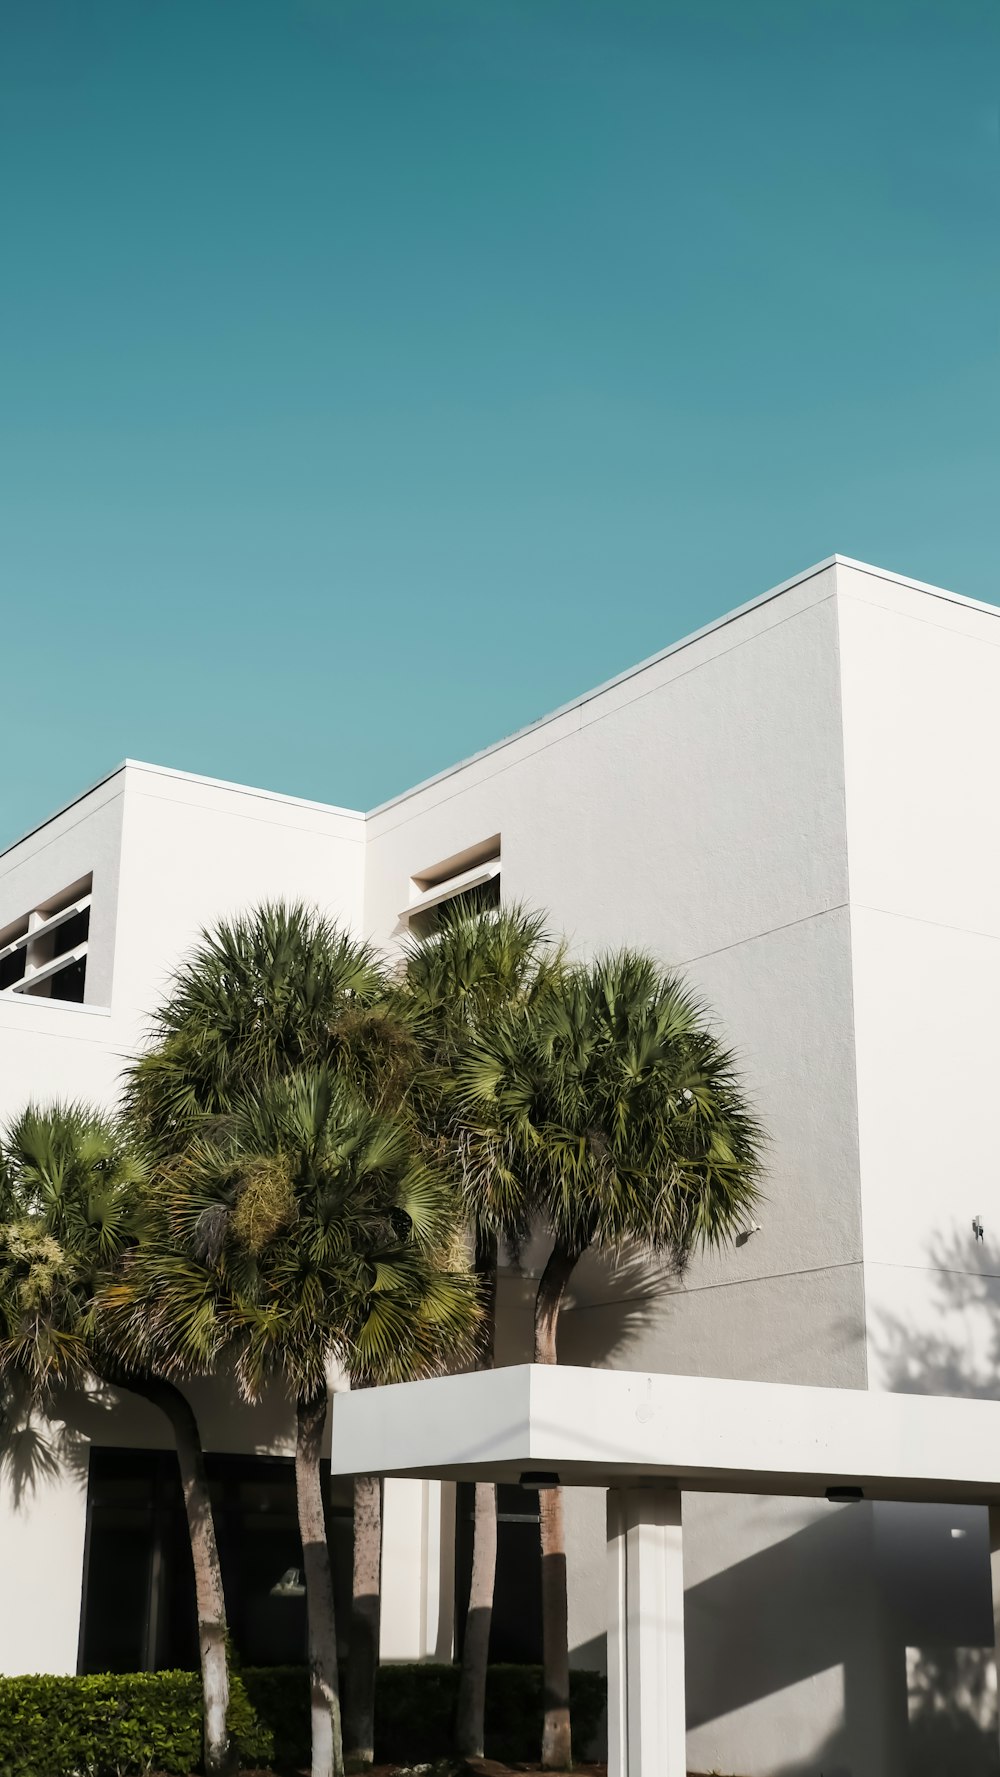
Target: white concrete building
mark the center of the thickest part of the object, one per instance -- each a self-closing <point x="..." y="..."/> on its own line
<point x="796" y="808"/>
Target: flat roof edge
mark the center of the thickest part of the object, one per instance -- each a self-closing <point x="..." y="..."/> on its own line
<point x="223" y="783"/>
<point x="938" y="592"/>
<point x="64" y="808"/>
<point x="193" y="777"/>
<point x="696" y="635"/>
<point x="630" y="672"/>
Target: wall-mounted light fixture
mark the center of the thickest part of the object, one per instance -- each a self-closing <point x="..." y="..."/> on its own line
<point x="844" y="1496"/>
<point x="746" y="1233"/>
<point x="290" y="1584"/>
<point x="534" y="1480"/>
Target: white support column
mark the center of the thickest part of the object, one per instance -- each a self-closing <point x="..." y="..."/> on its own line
<point x="995" y="1582"/>
<point x="417" y="1571"/>
<point x="646" y="1717"/>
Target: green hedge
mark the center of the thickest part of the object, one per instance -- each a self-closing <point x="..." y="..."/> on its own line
<point x="114" y="1726"/>
<point x="110" y="1725"/>
<point x="415" y="1709"/>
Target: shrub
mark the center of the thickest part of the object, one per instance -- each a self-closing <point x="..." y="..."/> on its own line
<point x="278" y="1697"/>
<point x="415" y="1711"/>
<point x="112" y="1724"/>
<point x="122" y="1725"/>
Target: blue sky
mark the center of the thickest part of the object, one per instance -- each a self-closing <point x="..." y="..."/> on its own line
<point x="378" y="374"/>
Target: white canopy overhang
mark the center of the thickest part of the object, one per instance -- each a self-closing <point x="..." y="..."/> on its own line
<point x="649" y="1438"/>
<point x="619" y="1428"/>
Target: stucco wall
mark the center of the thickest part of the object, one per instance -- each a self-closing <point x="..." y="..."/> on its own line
<point x="697" y="808"/>
<point x="194" y="852"/>
<point x="43" y="1519"/>
<point x="692" y="804"/>
<point x="171" y="854"/>
<point x="921" y="681"/>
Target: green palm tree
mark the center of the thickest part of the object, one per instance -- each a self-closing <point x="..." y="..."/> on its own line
<point x="305" y="1232"/>
<point x="71" y="1192"/>
<point x="621" y="1115"/>
<point x="478" y="968"/>
<point x="276" y="992"/>
<point x="280" y="988"/>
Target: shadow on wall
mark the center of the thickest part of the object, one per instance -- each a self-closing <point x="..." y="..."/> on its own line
<point x="634" y="1296"/>
<point x="908" y="1635"/>
<point x="36" y="1452"/>
<point x="951" y="1729"/>
<point x="953" y="1712"/>
<point x="958" y="1353"/>
<point x="779" y="1617"/>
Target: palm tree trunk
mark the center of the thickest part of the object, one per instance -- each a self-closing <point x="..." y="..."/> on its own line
<point x="366" y="1611"/>
<point x="549" y="1300"/>
<point x="470" y="1711"/>
<point x="219" y="1754"/>
<point x="557" y="1744"/>
<point x="324" y="1695"/>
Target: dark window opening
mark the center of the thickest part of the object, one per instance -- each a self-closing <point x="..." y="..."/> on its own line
<point x="71" y="933"/>
<point x="44" y="967"/>
<point x="138" y="1604"/>
<point x="516" y="1628"/>
<point x="68" y="983"/>
<point x="12" y="968"/>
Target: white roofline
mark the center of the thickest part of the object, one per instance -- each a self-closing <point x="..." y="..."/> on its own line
<point x="696" y="635"/>
<point x="938" y="592"/>
<point x="191" y="777"/>
<point x="64" y="808"/>
<point x="630" y="672"/>
<point x="222" y="783"/>
<point x="718" y="623"/>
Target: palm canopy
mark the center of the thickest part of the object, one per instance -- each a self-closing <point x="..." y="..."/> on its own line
<point x="614" y="1111"/>
<point x="307" y="1229"/>
<point x="482" y="969"/>
<point x="70" y="1188"/>
<point x="279" y="988"/>
<point x="477" y="964"/>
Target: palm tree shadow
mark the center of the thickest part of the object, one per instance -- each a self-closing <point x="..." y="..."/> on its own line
<point x="956" y="1349"/>
<point x="613" y="1302"/>
<point x="951" y="1725"/>
<point x="37" y="1452"/>
<point x="953" y="1705"/>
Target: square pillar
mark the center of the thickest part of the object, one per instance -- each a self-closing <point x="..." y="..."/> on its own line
<point x="646" y="1716"/>
<point x="416" y="1606"/>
